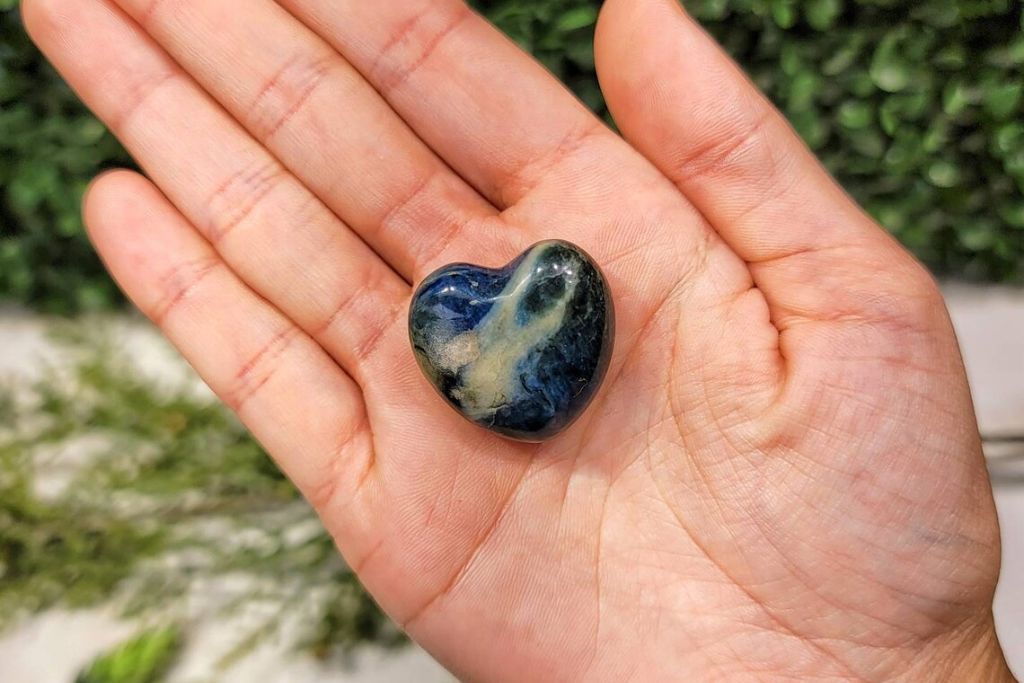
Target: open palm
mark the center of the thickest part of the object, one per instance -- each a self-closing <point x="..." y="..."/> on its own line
<point x="781" y="477"/>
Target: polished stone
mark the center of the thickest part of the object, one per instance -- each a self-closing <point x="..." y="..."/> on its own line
<point x="521" y="349"/>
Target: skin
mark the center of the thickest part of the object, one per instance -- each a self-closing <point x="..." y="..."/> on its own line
<point x="782" y="477"/>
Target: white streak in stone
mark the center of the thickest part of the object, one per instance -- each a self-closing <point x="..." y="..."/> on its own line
<point x="460" y="350"/>
<point x="488" y="380"/>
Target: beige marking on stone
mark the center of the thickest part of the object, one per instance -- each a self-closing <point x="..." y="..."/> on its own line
<point x="487" y="383"/>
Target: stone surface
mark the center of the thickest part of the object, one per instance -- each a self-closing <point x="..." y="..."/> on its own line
<point x="522" y="349"/>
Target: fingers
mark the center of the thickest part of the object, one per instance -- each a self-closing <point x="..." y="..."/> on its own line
<point x="265" y="224"/>
<point x="497" y="117"/>
<point x="278" y="380"/>
<point x="682" y="102"/>
<point x="511" y="129"/>
<point x="314" y="111"/>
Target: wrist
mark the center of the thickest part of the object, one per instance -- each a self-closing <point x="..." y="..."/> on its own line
<point x="970" y="653"/>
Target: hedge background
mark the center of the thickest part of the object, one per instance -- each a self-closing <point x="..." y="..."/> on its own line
<point x="915" y="105"/>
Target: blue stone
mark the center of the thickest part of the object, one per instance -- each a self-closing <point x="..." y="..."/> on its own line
<point x="522" y="349"/>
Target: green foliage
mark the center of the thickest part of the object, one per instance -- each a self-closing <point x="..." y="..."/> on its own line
<point x="50" y="148"/>
<point x="159" y="491"/>
<point x="915" y="105"/>
<point x="143" y="659"/>
<point x="560" y="33"/>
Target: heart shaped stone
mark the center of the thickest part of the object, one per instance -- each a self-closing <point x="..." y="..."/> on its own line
<point x="520" y="350"/>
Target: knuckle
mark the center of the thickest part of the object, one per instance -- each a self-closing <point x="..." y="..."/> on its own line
<point x="348" y="463"/>
<point x="154" y="11"/>
<point x="521" y="179"/>
<point x="138" y="94"/>
<point x="366" y="313"/>
<point x="178" y="284"/>
<point x="240" y="196"/>
<point x="912" y="298"/>
<point x="414" y="41"/>
<point x="285" y="94"/>
<point x="375" y="331"/>
<point x="429" y="252"/>
<point x="730" y="149"/>
<point x="916" y="310"/>
<point x="258" y="369"/>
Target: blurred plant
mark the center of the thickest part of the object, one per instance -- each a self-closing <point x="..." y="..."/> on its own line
<point x="560" y="33"/>
<point x="50" y="148"/>
<point x="915" y="105"/>
<point x="143" y="659"/>
<point x="113" y="490"/>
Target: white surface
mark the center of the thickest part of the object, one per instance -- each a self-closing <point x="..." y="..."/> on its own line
<point x="1010" y="593"/>
<point x="54" y="647"/>
<point x="990" y="325"/>
<point x="27" y="352"/>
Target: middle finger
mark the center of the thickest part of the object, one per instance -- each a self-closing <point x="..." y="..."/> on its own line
<point x="317" y="114"/>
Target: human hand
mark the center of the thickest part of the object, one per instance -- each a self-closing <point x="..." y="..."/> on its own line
<point x="782" y="476"/>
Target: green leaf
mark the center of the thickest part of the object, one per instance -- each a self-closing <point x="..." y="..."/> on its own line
<point x="1015" y="52"/>
<point x="943" y="174"/>
<point x="978" y="236"/>
<point x="143" y="659"/>
<point x="791" y="61"/>
<point x="942" y="14"/>
<point x="842" y="59"/>
<point x="709" y="10"/>
<point x="955" y="97"/>
<point x="856" y="115"/>
<point x="1013" y="213"/>
<point x="889" y="70"/>
<point x="951" y="57"/>
<point x="822" y="14"/>
<point x="889" y="117"/>
<point x="869" y="143"/>
<point x="810" y="127"/>
<point x="802" y="90"/>
<point x="936" y="138"/>
<point x="1009" y="138"/>
<point x="580" y="17"/>
<point x="1002" y="100"/>
<point x="784" y="13"/>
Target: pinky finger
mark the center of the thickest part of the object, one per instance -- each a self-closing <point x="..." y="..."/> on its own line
<point x="297" y="402"/>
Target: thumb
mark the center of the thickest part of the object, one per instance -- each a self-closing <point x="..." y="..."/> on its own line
<point x="683" y="103"/>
